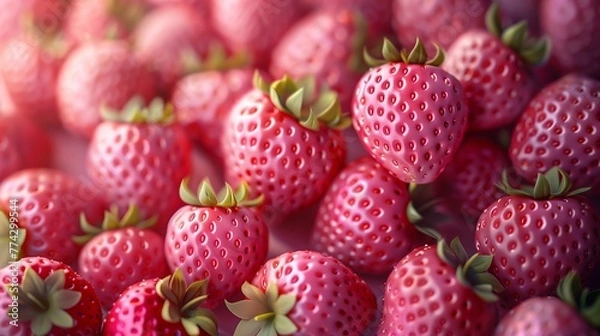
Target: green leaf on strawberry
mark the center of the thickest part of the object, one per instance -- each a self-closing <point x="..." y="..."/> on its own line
<point x="555" y="183"/>
<point x="136" y="112"/>
<point x="227" y="197"/>
<point x="417" y="55"/>
<point x="10" y="238"/>
<point x="585" y="301"/>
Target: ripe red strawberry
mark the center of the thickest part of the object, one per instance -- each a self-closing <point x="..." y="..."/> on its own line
<point x="304" y="293"/>
<point x="494" y="68"/>
<point x="363" y="219"/>
<point x="220" y="239"/>
<point x="282" y="146"/>
<point x="49" y="203"/>
<point x="40" y="296"/>
<point x="410" y="115"/>
<point x="166" y="306"/>
<point x="559" y="128"/>
<point x="571" y="26"/>
<point x="140" y="156"/>
<point x="440" y="292"/>
<point x="537" y="235"/>
<point x="119" y="253"/>
<point x="575" y="312"/>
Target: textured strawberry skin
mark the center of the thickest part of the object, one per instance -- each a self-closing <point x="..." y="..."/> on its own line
<point x="424" y="297"/>
<point x="290" y="165"/>
<point x="560" y="128"/>
<point x="496" y="81"/>
<point x="362" y="219"/>
<point x="410" y="118"/>
<point x="320" y="283"/>
<point x="535" y="243"/>
<point x="142" y="164"/>
<point x="116" y="259"/>
<point x="87" y="313"/>
<point x="225" y="245"/>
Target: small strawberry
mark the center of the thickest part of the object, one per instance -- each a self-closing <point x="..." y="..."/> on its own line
<point x="440" y="292"/>
<point x="119" y="253"/>
<point x="40" y="296"/>
<point x="304" y="293"/>
<point x="220" y="239"/>
<point x="410" y="115"/>
<point x="537" y="235"/>
<point x="166" y="306"/>
<point x="140" y="156"/>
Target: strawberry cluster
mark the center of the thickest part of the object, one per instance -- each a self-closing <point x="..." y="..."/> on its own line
<point x="389" y="167"/>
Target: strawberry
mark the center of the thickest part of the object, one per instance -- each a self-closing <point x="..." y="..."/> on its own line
<point x="96" y="75"/>
<point x="220" y="239"/>
<point x="119" y="253"/>
<point x="559" y="128"/>
<point x="41" y="296"/>
<point x="166" y="306"/>
<point x="304" y="293"/>
<point x="410" y="115"/>
<point x="494" y="68"/>
<point x="576" y="311"/>
<point x="440" y="292"/>
<point x="363" y="219"/>
<point x="282" y="146"/>
<point x="537" y="235"/>
<point x="137" y="152"/>
<point x="571" y="26"/>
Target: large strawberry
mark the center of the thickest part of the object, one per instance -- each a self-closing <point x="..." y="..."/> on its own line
<point x="494" y="68"/>
<point x="120" y="252"/>
<point x="410" y="115"/>
<point x="166" y="306"/>
<point x="140" y="156"/>
<point x="283" y="142"/>
<point x="304" y="293"/>
<point x="40" y="296"/>
<point x="537" y="235"/>
<point x="440" y="291"/>
<point x="559" y="128"/>
<point x="221" y="239"/>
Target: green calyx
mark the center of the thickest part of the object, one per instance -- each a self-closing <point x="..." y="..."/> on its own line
<point x="418" y="55"/>
<point x="420" y="210"/>
<point x="356" y="62"/>
<point x="470" y="271"/>
<point x="216" y="60"/>
<point x="297" y="98"/>
<point x="12" y="239"/>
<point x="44" y="303"/>
<point x="135" y="112"/>
<point x="182" y="304"/>
<point x="111" y="221"/>
<point x="552" y="184"/>
<point x="128" y="13"/>
<point x="516" y="37"/>
<point x="583" y="300"/>
<point x="263" y="313"/>
<point x="227" y="197"/>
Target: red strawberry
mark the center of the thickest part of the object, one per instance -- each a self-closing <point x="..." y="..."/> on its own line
<point x="140" y="157"/>
<point x="166" y="306"/>
<point x="40" y="296"/>
<point x="409" y="114"/>
<point x="119" y="253"/>
<point x="440" y="292"/>
<point x="282" y="146"/>
<point x="537" y="235"/>
<point x="363" y="219"/>
<point x="559" y="128"/>
<point x="222" y="240"/>
<point x="571" y="26"/>
<point x="304" y="293"/>
<point x="493" y="67"/>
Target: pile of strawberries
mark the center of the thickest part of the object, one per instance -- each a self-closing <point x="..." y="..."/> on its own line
<point x="281" y="167"/>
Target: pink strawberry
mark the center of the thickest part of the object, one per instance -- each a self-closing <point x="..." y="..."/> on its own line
<point x="410" y="115"/>
<point x="219" y="239"/>
<point x="440" y="292"/>
<point x="140" y="156"/>
<point x="40" y="296"/>
<point x="537" y="235"/>
<point x="304" y="293"/>
<point x="166" y="306"/>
